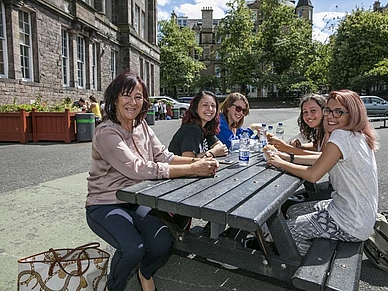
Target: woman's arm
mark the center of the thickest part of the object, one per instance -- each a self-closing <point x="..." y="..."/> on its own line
<point x="329" y="157"/>
<point x="282" y="146"/>
<point x="183" y="166"/>
<point x="300" y="159"/>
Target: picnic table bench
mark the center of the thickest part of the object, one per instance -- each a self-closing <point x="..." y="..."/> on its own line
<point x="238" y="200"/>
<point x="379" y="118"/>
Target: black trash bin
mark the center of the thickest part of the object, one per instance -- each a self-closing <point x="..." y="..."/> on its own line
<point x="150" y="118"/>
<point x="175" y="113"/>
<point x="86" y="123"/>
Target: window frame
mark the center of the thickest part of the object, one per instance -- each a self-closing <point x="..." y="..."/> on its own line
<point x="26" y="47"/>
<point x="94" y="76"/>
<point x="3" y="41"/>
<point x="81" y="62"/>
<point x="65" y="58"/>
<point x="113" y="66"/>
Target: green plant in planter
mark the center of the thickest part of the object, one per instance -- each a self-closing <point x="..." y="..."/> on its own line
<point x="39" y="106"/>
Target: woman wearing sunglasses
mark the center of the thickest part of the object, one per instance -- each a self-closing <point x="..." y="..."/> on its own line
<point x="232" y="113"/>
<point x="348" y="156"/>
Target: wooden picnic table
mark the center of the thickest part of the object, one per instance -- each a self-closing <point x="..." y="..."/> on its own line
<point x="242" y="198"/>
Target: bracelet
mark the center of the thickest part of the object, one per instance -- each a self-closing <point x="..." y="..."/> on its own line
<point x="212" y="154"/>
<point x="292" y="157"/>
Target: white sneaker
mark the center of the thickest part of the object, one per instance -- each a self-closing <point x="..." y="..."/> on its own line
<point x="226" y="266"/>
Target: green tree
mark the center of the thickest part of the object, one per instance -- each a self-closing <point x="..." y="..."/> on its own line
<point x="358" y="46"/>
<point x="318" y="70"/>
<point x="239" y="60"/>
<point x="285" y="45"/>
<point x="206" y="82"/>
<point x="177" y="68"/>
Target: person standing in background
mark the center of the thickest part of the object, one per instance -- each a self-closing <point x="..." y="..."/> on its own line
<point x="94" y="107"/>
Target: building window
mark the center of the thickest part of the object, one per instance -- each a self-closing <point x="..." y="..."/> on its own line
<point x="217" y="71"/>
<point x="65" y="57"/>
<point x="142" y="25"/>
<point x="141" y="63"/>
<point x="94" y="67"/>
<point x="197" y="38"/>
<point x="81" y="62"/>
<point x="136" y="20"/>
<point x="3" y="44"/>
<point x="25" y="45"/>
<point x="300" y="13"/>
<point x="113" y="64"/>
<point x="196" y="55"/>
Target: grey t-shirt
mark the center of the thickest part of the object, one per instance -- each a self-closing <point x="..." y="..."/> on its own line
<point x="354" y="179"/>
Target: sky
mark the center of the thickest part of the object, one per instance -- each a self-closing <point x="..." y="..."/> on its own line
<point x="327" y="13"/>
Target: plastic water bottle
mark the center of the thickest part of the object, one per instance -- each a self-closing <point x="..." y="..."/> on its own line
<point x="280" y="131"/>
<point x="244" y="152"/>
<point x="270" y="130"/>
<point x="263" y="135"/>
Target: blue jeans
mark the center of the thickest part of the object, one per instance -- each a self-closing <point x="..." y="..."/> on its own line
<point x="137" y="235"/>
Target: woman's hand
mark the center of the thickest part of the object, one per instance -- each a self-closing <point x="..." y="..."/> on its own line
<point x="219" y="150"/>
<point x="206" y="167"/>
<point x="275" y="160"/>
<point x="280" y="144"/>
<point x="296" y="143"/>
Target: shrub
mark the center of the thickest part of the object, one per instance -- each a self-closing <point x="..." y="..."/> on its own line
<point x="39" y="106"/>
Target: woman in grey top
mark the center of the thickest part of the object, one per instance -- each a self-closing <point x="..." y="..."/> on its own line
<point x="126" y="151"/>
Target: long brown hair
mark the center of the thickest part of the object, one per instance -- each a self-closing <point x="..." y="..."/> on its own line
<point x="314" y="135"/>
<point x="228" y="102"/>
<point x="212" y="127"/>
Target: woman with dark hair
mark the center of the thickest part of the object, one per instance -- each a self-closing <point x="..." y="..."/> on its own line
<point x="348" y="156"/>
<point x="197" y="135"/>
<point x="310" y="123"/>
<point x="126" y="151"/>
<point x="232" y="113"/>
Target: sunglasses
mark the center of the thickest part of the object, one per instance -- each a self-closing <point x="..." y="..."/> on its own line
<point x="239" y="108"/>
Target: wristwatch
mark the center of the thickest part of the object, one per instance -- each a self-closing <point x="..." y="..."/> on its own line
<point x="292" y="157"/>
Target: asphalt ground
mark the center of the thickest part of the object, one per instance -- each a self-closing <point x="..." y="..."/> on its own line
<point x="43" y="189"/>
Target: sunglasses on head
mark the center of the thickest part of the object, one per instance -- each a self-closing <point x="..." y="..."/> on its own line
<point x="239" y="108"/>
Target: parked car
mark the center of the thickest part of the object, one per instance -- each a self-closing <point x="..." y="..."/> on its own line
<point x="182" y="106"/>
<point x="375" y="105"/>
<point x="185" y="99"/>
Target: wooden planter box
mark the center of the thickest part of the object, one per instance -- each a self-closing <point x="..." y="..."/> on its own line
<point x="16" y="126"/>
<point x="54" y="126"/>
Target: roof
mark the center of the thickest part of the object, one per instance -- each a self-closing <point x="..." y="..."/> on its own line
<point x="304" y="3"/>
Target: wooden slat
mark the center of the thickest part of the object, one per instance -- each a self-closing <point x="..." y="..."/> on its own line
<point x="346" y="269"/>
<point x="170" y="201"/>
<point x="218" y="209"/>
<point x="192" y="205"/>
<point x="312" y="273"/>
<point x="255" y="211"/>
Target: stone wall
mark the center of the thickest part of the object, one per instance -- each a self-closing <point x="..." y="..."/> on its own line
<point x="47" y="20"/>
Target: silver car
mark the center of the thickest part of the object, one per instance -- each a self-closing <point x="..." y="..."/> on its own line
<point x="176" y="104"/>
<point x="375" y="105"/>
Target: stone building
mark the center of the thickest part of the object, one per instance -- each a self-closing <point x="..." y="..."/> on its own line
<point x="206" y="29"/>
<point x="54" y="49"/>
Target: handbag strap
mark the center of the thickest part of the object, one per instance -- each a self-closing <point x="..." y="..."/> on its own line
<point x="82" y="251"/>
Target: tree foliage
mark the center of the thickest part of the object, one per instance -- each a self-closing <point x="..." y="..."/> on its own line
<point x="177" y="68"/>
<point x="286" y="46"/>
<point x="358" y="46"/>
<point x="239" y="60"/>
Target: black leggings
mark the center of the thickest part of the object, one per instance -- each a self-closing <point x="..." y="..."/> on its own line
<point x="137" y="235"/>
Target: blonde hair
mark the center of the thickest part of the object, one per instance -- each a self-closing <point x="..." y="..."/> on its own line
<point x="358" y="119"/>
<point x="228" y="102"/>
